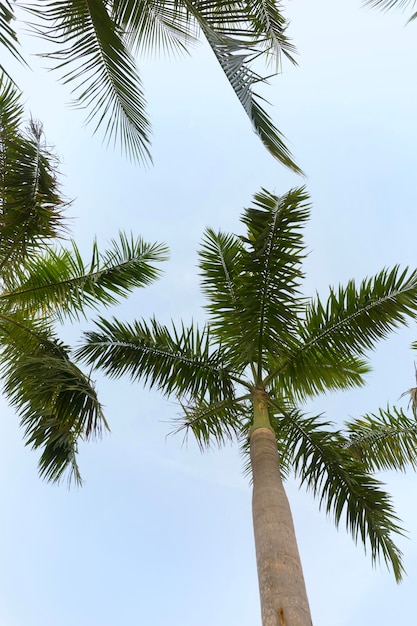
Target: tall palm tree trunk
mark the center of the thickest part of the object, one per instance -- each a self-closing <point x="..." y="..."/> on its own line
<point x="282" y="589"/>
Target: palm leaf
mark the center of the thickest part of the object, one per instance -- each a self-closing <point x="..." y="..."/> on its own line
<point x="255" y="309"/>
<point x="93" y="57"/>
<point x="179" y="363"/>
<point x="31" y="203"/>
<point x="152" y="25"/>
<point x="61" y="284"/>
<point x="387" y="5"/>
<point x="57" y="402"/>
<point x="350" y="324"/>
<point x="211" y="421"/>
<point x="270" y="27"/>
<point x="342" y="484"/>
<point x="227" y="29"/>
<point x="8" y="37"/>
<point x="384" y="441"/>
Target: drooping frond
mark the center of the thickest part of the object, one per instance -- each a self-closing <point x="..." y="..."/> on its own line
<point x="341" y="482"/>
<point x="179" y="363"/>
<point x="8" y="37"/>
<point x="233" y="30"/>
<point x="211" y="421"/>
<point x="60" y="283"/>
<point x="93" y="58"/>
<point x="384" y="441"/>
<point x="31" y="203"/>
<point x="56" y="401"/>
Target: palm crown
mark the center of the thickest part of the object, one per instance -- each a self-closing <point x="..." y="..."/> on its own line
<point x="264" y="338"/>
<point x="41" y="285"/>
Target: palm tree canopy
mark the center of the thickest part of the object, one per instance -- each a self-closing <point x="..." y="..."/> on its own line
<point x="264" y="335"/>
<point x="92" y="45"/>
<point x="41" y="285"/>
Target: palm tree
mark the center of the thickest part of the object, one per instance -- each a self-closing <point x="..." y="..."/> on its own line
<point x="93" y="46"/>
<point x="41" y="286"/>
<point x="265" y="350"/>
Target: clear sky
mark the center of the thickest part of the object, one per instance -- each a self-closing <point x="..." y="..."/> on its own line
<point x="160" y="534"/>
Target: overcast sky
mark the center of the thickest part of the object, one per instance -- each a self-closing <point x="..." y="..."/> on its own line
<point x="160" y="534"/>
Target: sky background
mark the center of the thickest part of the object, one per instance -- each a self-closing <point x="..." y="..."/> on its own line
<point x="161" y="534"/>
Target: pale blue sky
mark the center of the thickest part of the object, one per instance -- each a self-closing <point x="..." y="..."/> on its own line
<point x="160" y="534"/>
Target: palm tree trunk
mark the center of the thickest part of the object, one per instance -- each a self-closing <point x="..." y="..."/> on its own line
<point x="281" y="583"/>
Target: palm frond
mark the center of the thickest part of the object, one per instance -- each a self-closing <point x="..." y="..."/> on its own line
<point x="388" y="5"/>
<point x="8" y="37"/>
<point x="255" y="309"/>
<point x="61" y="284"/>
<point x="56" y="401"/>
<point x="227" y="30"/>
<point x="384" y="441"/>
<point x="93" y="58"/>
<point x="179" y="362"/>
<point x="347" y="327"/>
<point x="341" y="482"/>
<point x="355" y="319"/>
<point x="152" y="25"/>
<point x="268" y="27"/>
<point x="31" y="202"/>
<point x="211" y="421"/>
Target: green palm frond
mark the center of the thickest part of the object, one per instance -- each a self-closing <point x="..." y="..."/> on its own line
<point x="384" y="441"/>
<point x="94" y="59"/>
<point x="211" y="421"/>
<point x="232" y="30"/>
<point x="31" y="202"/>
<point x="346" y="328"/>
<point x="60" y="283"/>
<point x="179" y="362"/>
<point x="253" y="285"/>
<point x="354" y="319"/>
<point x="152" y="25"/>
<point x="309" y="374"/>
<point x="341" y="482"/>
<point x="269" y="28"/>
<point x="8" y="37"/>
<point x="56" y="401"/>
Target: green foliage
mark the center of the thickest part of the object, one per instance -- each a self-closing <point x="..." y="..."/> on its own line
<point x="41" y="285"/>
<point x="264" y="334"/>
<point x="92" y="45"/>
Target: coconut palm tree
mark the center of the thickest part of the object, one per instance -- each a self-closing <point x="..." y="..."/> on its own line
<point x="247" y="374"/>
<point x="93" y="46"/>
<point x="41" y="286"/>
